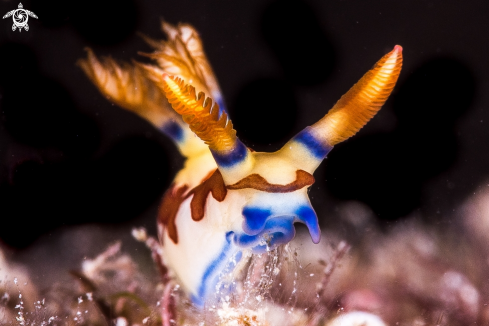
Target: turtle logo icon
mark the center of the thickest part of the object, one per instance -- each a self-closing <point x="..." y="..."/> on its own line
<point x="20" y="17"/>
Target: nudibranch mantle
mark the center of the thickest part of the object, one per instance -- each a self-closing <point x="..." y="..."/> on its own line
<point x="228" y="201"/>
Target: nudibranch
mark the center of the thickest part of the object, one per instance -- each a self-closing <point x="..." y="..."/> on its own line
<point x="228" y="199"/>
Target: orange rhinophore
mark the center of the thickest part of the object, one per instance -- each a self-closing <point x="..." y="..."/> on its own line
<point x="228" y="200"/>
<point x="201" y="114"/>
<point x="362" y="101"/>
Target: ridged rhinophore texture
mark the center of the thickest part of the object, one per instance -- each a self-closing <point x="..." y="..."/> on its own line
<point x="183" y="55"/>
<point x="128" y="86"/>
<point x="362" y="101"/>
<point x="202" y="117"/>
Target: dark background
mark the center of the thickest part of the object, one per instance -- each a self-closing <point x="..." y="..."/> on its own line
<point x="69" y="157"/>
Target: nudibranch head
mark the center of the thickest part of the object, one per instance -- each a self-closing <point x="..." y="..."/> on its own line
<point x="229" y="200"/>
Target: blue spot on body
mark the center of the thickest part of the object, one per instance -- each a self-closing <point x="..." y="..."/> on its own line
<point x="255" y="219"/>
<point x="237" y="155"/>
<point x="276" y="231"/>
<point x="281" y="230"/>
<point x="245" y="241"/>
<point x="262" y="230"/>
<point x="318" y="149"/>
<point x="238" y="256"/>
<point x="173" y="130"/>
<point x="260" y="249"/>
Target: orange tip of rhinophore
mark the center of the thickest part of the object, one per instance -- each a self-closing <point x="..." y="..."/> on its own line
<point x="398" y="48"/>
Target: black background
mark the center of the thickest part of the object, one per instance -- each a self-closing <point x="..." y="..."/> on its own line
<point x="69" y="157"/>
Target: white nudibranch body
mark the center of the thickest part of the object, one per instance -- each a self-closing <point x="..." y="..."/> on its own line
<point x="228" y="200"/>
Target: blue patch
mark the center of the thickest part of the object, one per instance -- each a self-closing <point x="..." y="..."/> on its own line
<point x="197" y="301"/>
<point x="255" y="219"/>
<point x="173" y="130"/>
<point x="213" y="271"/>
<point x="245" y="241"/>
<point x="306" y="215"/>
<point x="260" y="249"/>
<point x="279" y="238"/>
<point x="237" y="155"/>
<point x="276" y="231"/>
<point x="282" y="230"/>
<point x="229" y="236"/>
<point x="318" y="149"/>
<point x="238" y="257"/>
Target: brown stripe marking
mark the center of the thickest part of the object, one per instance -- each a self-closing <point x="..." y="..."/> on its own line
<point x="169" y="206"/>
<point x="214" y="184"/>
<point x="257" y="182"/>
<point x="174" y="197"/>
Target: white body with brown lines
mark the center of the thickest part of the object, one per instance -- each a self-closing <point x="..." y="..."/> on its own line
<point x="227" y="199"/>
